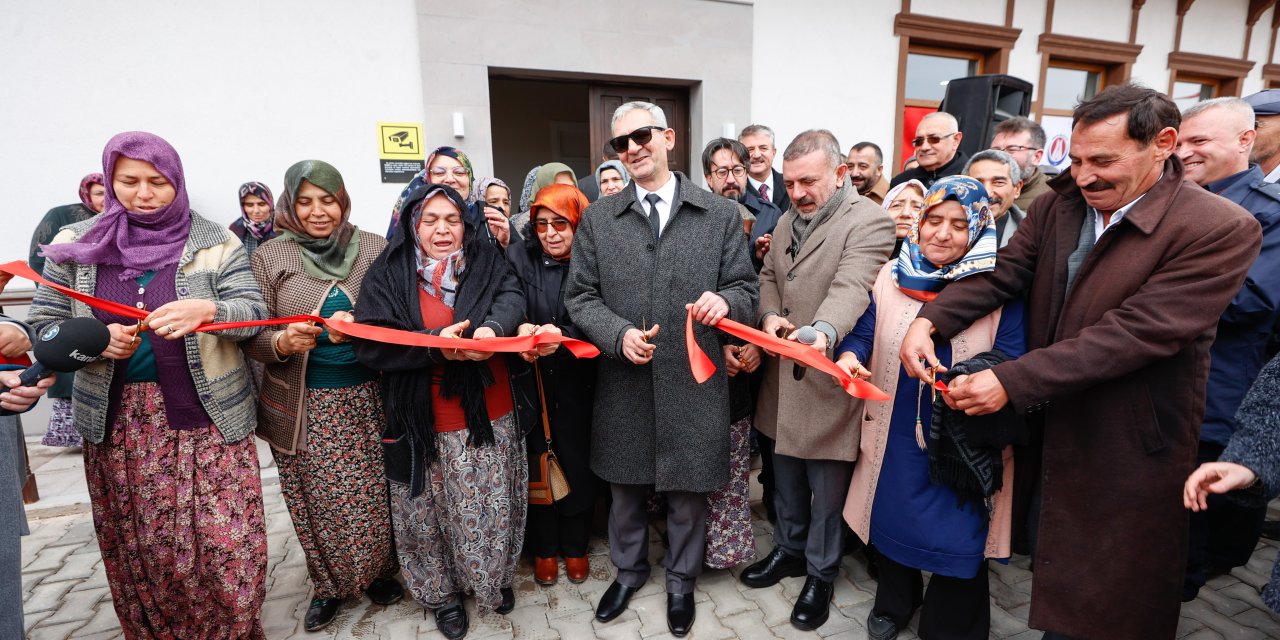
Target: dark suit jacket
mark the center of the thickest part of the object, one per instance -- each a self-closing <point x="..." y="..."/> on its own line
<point x="779" y="196"/>
<point x="1118" y="374"/>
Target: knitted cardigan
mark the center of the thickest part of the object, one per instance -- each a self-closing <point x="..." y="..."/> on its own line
<point x="213" y="267"/>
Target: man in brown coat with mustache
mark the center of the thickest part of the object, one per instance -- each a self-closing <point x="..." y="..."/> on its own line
<point x="1126" y="268"/>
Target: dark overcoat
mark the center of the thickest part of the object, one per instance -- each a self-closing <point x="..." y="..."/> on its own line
<point x="1118" y="371"/>
<point x="653" y="423"/>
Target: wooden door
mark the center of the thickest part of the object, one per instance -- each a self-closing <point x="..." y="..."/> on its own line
<point x="606" y="98"/>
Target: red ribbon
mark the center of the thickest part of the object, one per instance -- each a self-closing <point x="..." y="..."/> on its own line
<point x="810" y="357"/>
<point x="578" y="348"/>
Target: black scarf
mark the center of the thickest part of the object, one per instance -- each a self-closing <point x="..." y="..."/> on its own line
<point x="966" y="452"/>
<point x="391" y="300"/>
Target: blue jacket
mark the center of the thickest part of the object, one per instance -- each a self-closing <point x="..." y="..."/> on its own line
<point x="1238" y="351"/>
<point x="767" y="215"/>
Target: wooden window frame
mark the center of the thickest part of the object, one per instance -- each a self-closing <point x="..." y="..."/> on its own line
<point x="1228" y="73"/>
<point x="991" y="43"/>
<point x="1113" y="59"/>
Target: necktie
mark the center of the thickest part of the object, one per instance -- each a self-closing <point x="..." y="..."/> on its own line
<point x="764" y="192"/>
<point x="654" y="222"/>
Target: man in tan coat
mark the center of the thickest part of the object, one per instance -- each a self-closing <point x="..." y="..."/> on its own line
<point x="827" y="250"/>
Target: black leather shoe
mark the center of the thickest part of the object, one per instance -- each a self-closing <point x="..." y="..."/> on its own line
<point x="680" y="612"/>
<point x="813" y="605"/>
<point x="321" y="613"/>
<point x="880" y="627"/>
<point x="452" y="621"/>
<point x="384" y="591"/>
<point x="777" y="565"/>
<point x="508" y="601"/>
<point x="614" y="601"/>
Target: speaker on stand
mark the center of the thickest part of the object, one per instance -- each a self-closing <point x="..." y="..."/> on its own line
<point x="980" y="103"/>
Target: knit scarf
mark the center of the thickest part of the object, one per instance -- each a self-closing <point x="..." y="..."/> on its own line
<point x="966" y="452"/>
<point x="801" y="228"/>
<point x="389" y="298"/>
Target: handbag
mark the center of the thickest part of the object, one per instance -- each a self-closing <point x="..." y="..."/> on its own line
<point x="547" y="482"/>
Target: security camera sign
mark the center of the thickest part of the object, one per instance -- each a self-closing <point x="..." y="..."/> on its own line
<point x="400" y="150"/>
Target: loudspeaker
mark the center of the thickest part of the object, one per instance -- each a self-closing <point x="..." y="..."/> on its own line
<point x="980" y="103"/>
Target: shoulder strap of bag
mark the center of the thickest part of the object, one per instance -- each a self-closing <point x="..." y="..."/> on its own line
<point x="542" y="402"/>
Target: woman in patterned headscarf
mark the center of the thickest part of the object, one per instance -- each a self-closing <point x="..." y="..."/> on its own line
<point x="62" y="432"/>
<point x="453" y="440"/>
<point x="320" y="409"/>
<point x="256" y="222"/>
<point x="167" y="415"/>
<point x="543" y="177"/>
<point x="915" y="524"/>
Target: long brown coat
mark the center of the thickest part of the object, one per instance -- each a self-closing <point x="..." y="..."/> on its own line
<point x="829" y="280"/>
<point x="1118" y="370"/>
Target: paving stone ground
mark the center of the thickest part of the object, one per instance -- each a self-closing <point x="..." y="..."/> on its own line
<point x="67" y="594"/>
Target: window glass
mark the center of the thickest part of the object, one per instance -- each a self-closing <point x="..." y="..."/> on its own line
<point x="1065" y="87"/>
<point x="928" y="74"/>
<point x="1187" y="93"/>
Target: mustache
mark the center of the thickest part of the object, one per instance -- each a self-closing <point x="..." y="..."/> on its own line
<point x="806" y="201"/>
<point x="1099" y="185"/>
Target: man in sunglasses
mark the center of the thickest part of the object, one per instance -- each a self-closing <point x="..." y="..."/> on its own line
<point x="937" y="146"/>
<point x="640" y="259"/>
<point x="1023" y="139"/>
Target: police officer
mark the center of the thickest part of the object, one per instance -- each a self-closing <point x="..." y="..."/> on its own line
<point x="1266" y="148"/>
<point x="1214" y="142"/>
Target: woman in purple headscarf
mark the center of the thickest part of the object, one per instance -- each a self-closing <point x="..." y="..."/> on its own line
<point x="256" y="222"/>
<point x="166" y="415"/>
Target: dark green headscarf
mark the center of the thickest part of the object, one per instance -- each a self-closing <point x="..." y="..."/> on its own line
<point x="323" y="258"/>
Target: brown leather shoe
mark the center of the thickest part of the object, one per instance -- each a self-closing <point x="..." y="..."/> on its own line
<point x="577" y="569"/>
<point x="545" y="571"/>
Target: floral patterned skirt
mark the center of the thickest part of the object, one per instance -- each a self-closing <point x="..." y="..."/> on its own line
<point x="729" y="539"/>
<point x="464" y="531"/>
<point x="179" y="521"/>
<point x="62" y="429"/>
<point x="336" y="491"/>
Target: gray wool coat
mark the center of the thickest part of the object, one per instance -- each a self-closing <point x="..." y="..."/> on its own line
<point x="653" y="424"/>
<point x="1256" y="445"/>
<point x="13" y="516"/>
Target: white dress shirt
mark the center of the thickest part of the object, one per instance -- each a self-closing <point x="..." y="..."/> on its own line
<point x="769" y="183"/>
<point x="1099" y="228"/>
<point x="1274" y="175"/>
<point x="667" y="193"/>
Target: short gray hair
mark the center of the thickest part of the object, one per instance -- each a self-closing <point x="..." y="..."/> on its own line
<point x="995" y="155"/>
<point x="942" y="115"/>
<point x="659" y="118"/>
<point x="815" y="140"/>
<point x="1235" y="106"/>
<point x="757" y="129"/>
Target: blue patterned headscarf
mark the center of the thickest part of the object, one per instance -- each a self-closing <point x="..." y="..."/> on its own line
<point x="919" y="278"/>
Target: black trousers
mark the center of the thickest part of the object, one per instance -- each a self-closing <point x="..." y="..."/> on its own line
<point x="1222" y="537"/>
<point x="554" y="534"/>
<point x="953" y="608"/>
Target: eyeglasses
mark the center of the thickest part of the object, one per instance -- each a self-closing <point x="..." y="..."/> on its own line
<point x="458" y="172"/>
<point x="559" y="224"/>
<point x="738" y="171"/>
<point x="640" y="136"/>
<point x="1016" y="148"/>
<point x="933" y="139"/>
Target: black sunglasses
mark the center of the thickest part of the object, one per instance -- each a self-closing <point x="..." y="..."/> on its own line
<point x="641" y="136"/>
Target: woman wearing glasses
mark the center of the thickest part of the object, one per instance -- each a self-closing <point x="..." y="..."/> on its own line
<point x="543" y="177"/>
<point x="451" y="167"/>
<point x="541" y="262"/>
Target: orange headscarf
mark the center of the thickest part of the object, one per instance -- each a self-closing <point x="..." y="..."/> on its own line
<point x="565" y="200"/>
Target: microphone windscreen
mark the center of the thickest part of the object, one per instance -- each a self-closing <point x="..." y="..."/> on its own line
<point x="72" y="344"/>
<point x="806" y="335"/>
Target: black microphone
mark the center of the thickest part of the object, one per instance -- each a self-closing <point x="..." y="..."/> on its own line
<point x="804" y="335"/>
<point x="66" y="347"/>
